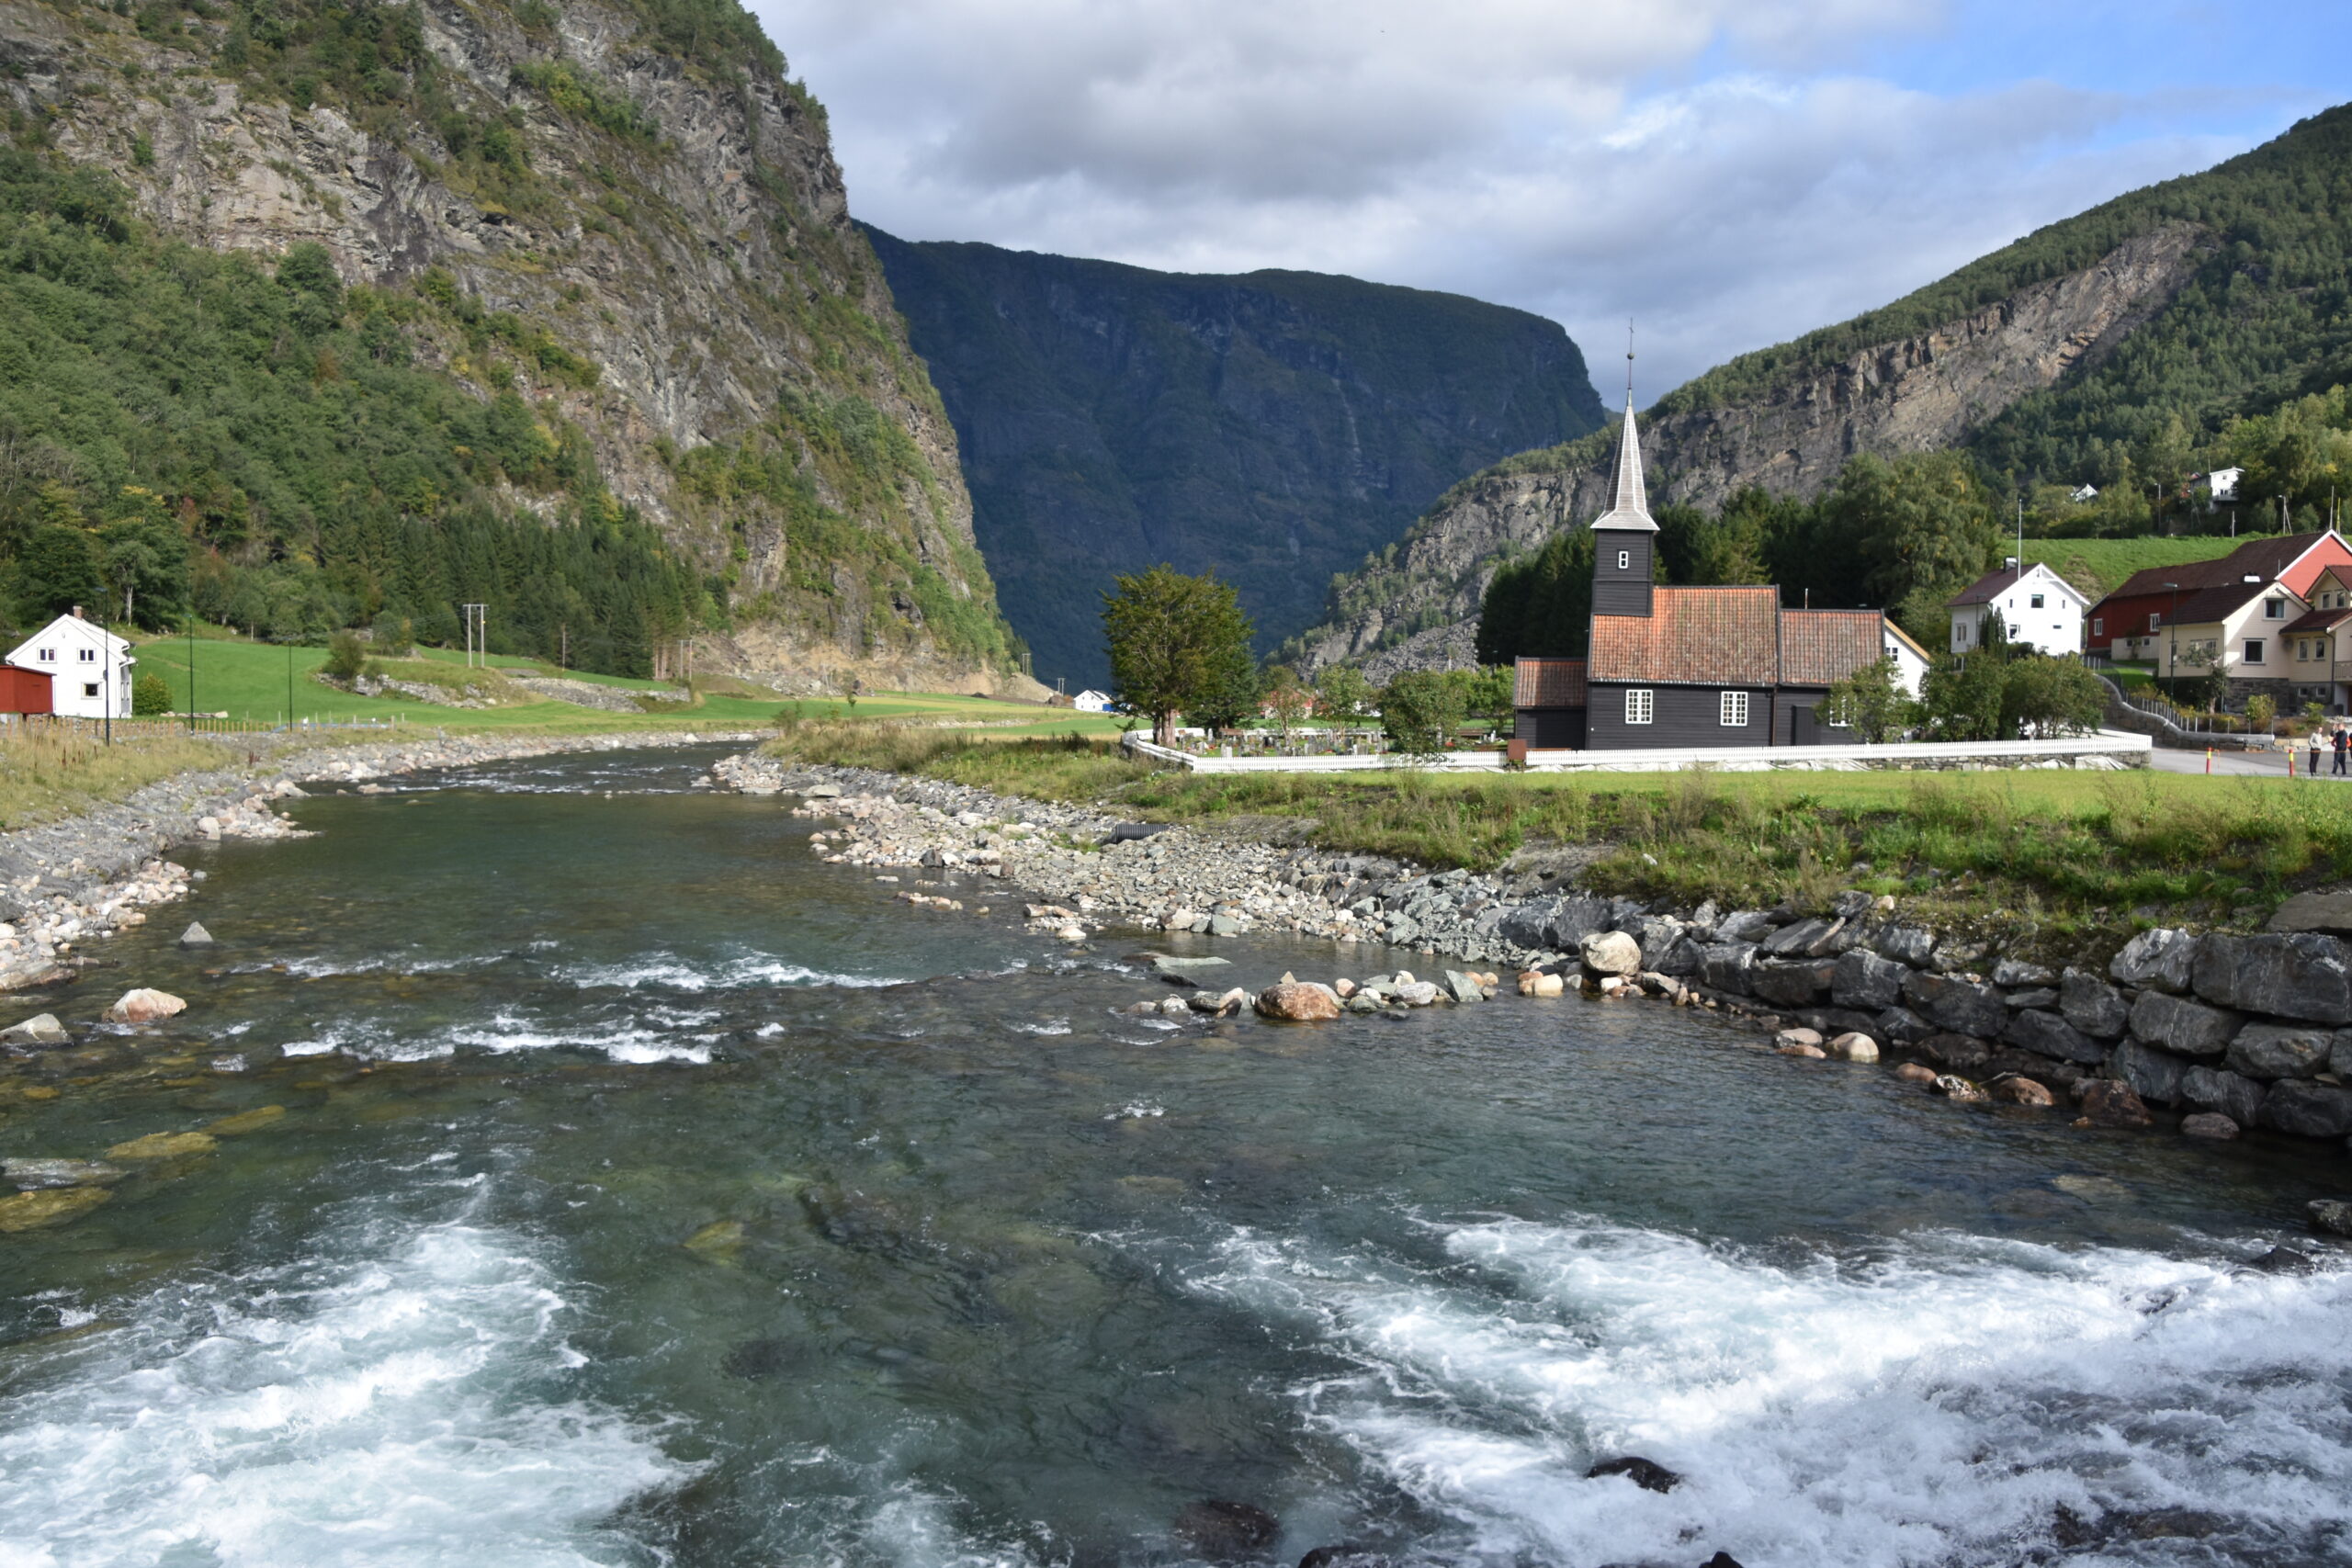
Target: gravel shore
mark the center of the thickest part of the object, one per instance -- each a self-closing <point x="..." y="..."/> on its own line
<point x="67" y="885"/>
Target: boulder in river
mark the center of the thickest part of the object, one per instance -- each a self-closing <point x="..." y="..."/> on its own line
<point x="2331" y="1214"/>
<point x="1854" y="1046"/>
<point x="2208" y="1124"/>
<point x="41" y="1029"/>
<point x="1952" y="1087"/>
<point x="1187" y="971"/>
<point x="144" y="1005"/>
<point x="1224" y="1531"/>
<point x="1536" y="983"/>
<point x="1417" y="993"/>
<point x="2108" y="1103"/>
<point x="196" y="935"/>
<point x="1916" y="1072"/>
<point x="1647" y="1475"/>
<point x="2014" y="1090"/>
<point x="40" y="1210"/>
<point x="1299" y="1000"/>
<point x="164" y="1145"/>
<point x="1610" y="952"/>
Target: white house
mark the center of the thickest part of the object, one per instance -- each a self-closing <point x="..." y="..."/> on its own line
<point x="2038" y="607"/>
<point x="1092" y="701"/>
<point x="1911" y="660"/>
<point x="2082" y="492"/>
<point x="88" y="667"/>
<point x="2222" y="483"/>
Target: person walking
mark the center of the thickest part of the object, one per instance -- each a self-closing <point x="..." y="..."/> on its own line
<point x="2343" y="741"/>
<point x="2313" y="770"/>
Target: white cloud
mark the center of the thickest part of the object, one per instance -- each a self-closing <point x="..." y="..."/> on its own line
<point x="1699" y="165"/>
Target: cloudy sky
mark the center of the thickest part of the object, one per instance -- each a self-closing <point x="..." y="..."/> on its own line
<point x="1727" y="173"/>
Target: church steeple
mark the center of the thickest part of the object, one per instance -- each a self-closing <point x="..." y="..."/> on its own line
<point x="1624" y="537"/>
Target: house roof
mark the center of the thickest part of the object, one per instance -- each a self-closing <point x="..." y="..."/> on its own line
<point x="1630" y="512"/>
<point x="2207" y="605"/>
<point x="1908" y="640"/>
<point x="1548" y="683"/>
<point x="1992" y="584"/>
<point x="78" y="630"/>
<point x="1712" y="636"/>
<point x="2266" y="559"/>
<point x="2318" y="621"/>
<point x="1821" y="645"/>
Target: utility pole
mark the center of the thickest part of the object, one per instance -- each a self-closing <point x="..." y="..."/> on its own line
<point x="477" y="632"/>
<point x="106" y="640"/>
<point x="563" y="645"/>
<point x="289" y="686"/>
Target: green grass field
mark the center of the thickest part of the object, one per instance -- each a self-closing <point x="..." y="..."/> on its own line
<point x="2098" y="566"/>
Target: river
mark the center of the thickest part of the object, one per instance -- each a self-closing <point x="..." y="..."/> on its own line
<point x="647" y="1191"/>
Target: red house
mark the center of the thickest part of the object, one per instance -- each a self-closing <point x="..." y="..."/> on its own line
<point x="23" y="690"/>
<point x="2124" y="623"/>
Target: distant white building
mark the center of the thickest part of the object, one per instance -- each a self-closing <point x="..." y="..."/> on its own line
<point x="1911" y="660"/>
<point x="2082" y="492"/>
<point x="88" y="667"/>
<point x="1092" y="701"/>
<point x="2222" y="483"/>
<point x="2037" y="606"/>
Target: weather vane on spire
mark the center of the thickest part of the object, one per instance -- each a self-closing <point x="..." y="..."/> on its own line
<point x="1629" y="362"/>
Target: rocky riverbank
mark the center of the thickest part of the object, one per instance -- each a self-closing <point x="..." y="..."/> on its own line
<point x="2236" y="1034"/>
<point x="68" y="886"/>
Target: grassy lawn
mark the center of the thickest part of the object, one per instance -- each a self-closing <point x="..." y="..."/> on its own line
<point x="2098" y="566"/>
<point x="2062" y="854"/>
<point x="45" y="774"/>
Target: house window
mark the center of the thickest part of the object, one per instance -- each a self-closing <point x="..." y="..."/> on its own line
<point x="89" y="688"/>
<point x="2037" y="600"/>
<point x="48" y="655"/>
<point x="89" y="656"/>
<point x="2274" y="609"/>
<point x="2156" y="619"/>
<point x="1624" y="560"/>
<point x="1734" y="711"/>
<point x="1637" y="706"/>
<point x="2099" y="626"/>
<point x="2254" y="650"/>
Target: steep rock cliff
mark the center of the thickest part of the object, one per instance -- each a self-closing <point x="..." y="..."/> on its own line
<point x="1788" y="432"/>
<point x="646" y="191"/>
<point x="1271" y="427"/>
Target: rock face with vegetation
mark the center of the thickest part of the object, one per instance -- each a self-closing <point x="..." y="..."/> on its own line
<point x="558" y="308"/>
<point x="2099" y="350"/>
<point x="1271" y="427"/>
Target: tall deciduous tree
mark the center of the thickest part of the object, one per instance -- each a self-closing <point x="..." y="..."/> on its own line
<point x="1179" y="644"/>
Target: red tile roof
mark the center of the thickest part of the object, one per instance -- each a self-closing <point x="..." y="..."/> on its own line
<point x="1705" y="637"/>
<point x="1821" y="645"/>
<point x="1548" y="683"/>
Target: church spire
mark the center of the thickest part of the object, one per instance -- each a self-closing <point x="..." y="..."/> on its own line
<point x="1630" y="512"/>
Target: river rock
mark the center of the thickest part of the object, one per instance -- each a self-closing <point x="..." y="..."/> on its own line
<point x="1299" y="1000"/>
<point x="1955" y="1088"/>
<point x="2107" y="1104"/>
<point x="2308" y="1109"/>
<point x="1854" y="1046"/>
<point x="1961" y="1006"/>
<point x="1536" y="983"/>
<point x="2208" y="1088"/>
<point x="164" y="1145"/>
<point x="2048" y="1034"/>
<point x="40" y="1210"/>
<point x="31" y="1174"/>
<point x="1812" y="1053"/>
<point x="1726" y="966"/>
<point x="1417" y="993"/>
<point x="1903" y="1027"/>
<point x="1916" y="1072"/>
<point x="145" y="1006"/>
<point x="2208" y="1124"/>
<point x="2163" y="959"/>
<point x="2302" y="976"/>
<point x="41" y="1029"/>
<point x="2021" y="1091"/>
<point x="1790" y="984"/>
<point x="196" y="935"/>
<point x="1960" y="1053"/>
<point x="2191" y="1028"/>
<point x="1802" y="938"/>
<point x="1610" y="952"/>
<point x="2093" y="1006"/>
<point x="2153" y="1073"/>
<point x="1558" y="924"/>
<point x="1463" y="987"/>
<point x="2280" y="1050"/>
<point x="1188" y="971"/>
<point x="1863" y="979"/>
<point x="1806" y="1037"/>
<point x="1224" y="1531"/>
<point x="1647" y="1475"/>
<point x="1912" y="947"/>
<point x="2011" y="974"/>
<point x="2332" y="1215"/>
<point x="2328" y="912"/>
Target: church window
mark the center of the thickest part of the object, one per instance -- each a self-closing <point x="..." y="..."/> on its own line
<point x="1734" y="711"/>
<point x="1637" y="706"/>
<point x="1624" y="560"/>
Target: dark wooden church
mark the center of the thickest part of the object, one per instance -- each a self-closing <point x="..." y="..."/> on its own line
<point x="1685" y="667"/>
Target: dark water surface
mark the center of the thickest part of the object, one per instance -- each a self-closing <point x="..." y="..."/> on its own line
<point x="649" y="1192"/>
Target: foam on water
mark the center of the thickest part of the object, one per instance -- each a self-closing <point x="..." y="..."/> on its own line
<point x="668" y="970"/>
<point x="1941" y="1404"/>
<point x="418" y="1405"/>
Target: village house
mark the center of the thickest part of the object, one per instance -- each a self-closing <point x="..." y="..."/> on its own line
<point x="88" y="667"/>
<point x="2239" y="630"/>
<point x="2128" y="624"/>
<point x="1092" y="701"/>
<point x="1683" y="667"/>
<point x="2038" y="609"/>
<point x="2318" y="645"/>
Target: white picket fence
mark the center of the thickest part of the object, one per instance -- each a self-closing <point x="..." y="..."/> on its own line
<point x="2103" y="748"/>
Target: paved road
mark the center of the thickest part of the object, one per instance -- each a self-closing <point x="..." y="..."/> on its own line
<point x="2264" y="764"/>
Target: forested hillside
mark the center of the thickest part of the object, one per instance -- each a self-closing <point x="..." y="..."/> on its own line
<point x="1269" y="427"/>
<point x="324" y="311"/>
<point x="2197" y="324"/>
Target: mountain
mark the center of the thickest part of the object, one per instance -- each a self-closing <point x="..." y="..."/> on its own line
<point x="377" y="309"/>
<point x="1272" y="427"/>
<point x="2102" y="349"/>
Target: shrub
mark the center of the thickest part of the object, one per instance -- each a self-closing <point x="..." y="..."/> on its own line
<point x="1419" y="711"/>
<point x="392" y="636"/>
<point x="150" y="694"/>
<point x="346" y="656"/>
